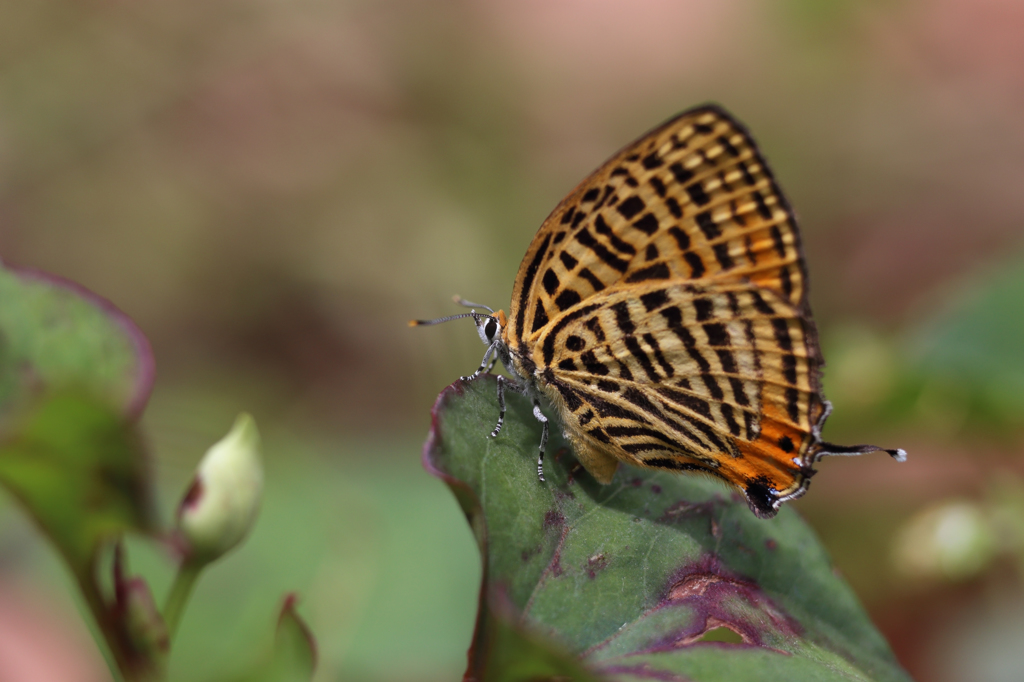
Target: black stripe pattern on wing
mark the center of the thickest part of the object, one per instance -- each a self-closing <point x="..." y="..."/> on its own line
<point x="685" y="358"/>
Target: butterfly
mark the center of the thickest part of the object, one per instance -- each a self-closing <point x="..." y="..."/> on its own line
<point x="661" y="311"/>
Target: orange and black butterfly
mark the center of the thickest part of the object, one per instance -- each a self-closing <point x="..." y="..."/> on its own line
<point x="661" y="311"/>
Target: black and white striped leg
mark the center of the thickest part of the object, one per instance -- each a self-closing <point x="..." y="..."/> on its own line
<point x="502" y="383"/>
<point x="501" y="407"/>
<point x="483" y="364"/>
<point x="543" y="438"/>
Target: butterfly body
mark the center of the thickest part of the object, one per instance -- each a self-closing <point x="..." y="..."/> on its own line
<point x="661" y="310"/>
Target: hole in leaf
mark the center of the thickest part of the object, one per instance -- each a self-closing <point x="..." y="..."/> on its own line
<point x="721" y="634"/>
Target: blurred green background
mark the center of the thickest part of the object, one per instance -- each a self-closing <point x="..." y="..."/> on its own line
<point x="272" y="189"/>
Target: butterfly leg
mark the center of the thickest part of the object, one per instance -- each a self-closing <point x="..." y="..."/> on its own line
<point x="543" y="438"/>
<point x="502" y="383"/>
<point x="483" y="364"/>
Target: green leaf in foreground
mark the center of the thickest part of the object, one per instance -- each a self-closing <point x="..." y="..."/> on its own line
<point x="76" y="466"/>
<point x="78" y="469"/>
<point x="74" y="374"/>
<point x="74" y="371"/>
<point x="505" y="651"/>
<point x="653" y="577"/>
<point x="57" y="335"/>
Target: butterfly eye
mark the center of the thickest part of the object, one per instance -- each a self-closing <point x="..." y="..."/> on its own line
<point x="490" y="329"/>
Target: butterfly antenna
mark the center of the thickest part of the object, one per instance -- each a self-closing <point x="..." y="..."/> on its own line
<point x="469" y="304"/>
<point x="423" y="323"/>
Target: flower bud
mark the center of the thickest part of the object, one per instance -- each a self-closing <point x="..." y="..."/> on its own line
<point x="221" y="504"/>
<point x="143" y="624"/>
<point x="953" y="540"/>
<point x="139" y="621"/>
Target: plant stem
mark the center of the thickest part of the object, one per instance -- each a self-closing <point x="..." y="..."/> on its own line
<point x="101" y="614"/>
<point x="180" y="592"/>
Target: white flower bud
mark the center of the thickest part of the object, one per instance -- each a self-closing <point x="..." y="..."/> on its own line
<point x="953" y="540"/>
<point x="221" y="504"/>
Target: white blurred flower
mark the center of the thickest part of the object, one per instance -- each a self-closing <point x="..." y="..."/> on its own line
<point x="221" y="504"/>
<point x="953" y="540"/>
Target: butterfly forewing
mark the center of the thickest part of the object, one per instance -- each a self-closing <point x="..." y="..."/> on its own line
<point x="693" y="199"/>
<point x="664" y="303"/>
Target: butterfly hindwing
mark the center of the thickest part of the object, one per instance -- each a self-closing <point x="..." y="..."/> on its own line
<point x="683" y="377"/>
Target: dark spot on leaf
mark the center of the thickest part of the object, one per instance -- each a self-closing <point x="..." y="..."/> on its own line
<point x="556" y="561"/>
<point x="708" y="589"/>
<point x="553" y="518"/>
<point x="528" y="554"/>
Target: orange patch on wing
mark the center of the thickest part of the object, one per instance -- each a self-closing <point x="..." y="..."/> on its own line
<point x="774" y="454"/>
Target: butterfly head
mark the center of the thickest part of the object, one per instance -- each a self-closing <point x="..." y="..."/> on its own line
<point x="490" y="327"/>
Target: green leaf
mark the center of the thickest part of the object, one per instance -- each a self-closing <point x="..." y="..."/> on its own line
<point x="655" y="576"/>
<point x="505" y="650"/>
<point x="294" y="655"/>
<point x="73" y="371"/>
<point x="57" y="335"/>
<point x="78" y="468"/>
<point x="74" y="374"/>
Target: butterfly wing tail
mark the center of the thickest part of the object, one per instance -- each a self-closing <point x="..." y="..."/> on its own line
<point x="833" y="450"/>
